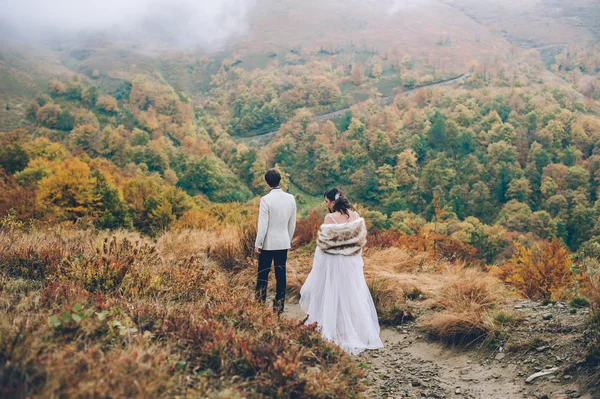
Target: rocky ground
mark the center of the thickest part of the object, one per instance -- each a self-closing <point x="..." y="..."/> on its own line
<point x="547" y="341"/>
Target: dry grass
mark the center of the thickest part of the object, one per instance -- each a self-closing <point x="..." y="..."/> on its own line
<point x="390" y="302"/>
<point x="467" y="302"/>
<point x="179" y="243"/>
<point x="297" y="271"/>
<point x="92" y="315"/>
<point x="233" y="248"/>
<point x="399" y="260"/>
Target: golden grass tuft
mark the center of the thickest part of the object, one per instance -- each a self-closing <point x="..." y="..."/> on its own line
<point x="389" y="302"/>
<point x="466" y="301"/>
<point x="398" y="260"/>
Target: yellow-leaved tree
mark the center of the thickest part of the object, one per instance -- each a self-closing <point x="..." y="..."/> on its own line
<point x="69" y="193"/>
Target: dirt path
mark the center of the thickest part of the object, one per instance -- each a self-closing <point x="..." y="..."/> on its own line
<point x="411" y="366"/>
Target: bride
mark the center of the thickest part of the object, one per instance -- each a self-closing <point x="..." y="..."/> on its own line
<point x="335" y="294"/>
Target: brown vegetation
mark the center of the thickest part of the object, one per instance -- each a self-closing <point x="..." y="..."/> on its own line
<point x="466" y="301"/>
<point x="542" y="272"/>
<point x="87" y="314"/>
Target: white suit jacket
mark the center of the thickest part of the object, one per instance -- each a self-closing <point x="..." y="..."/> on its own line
<point x="276" y="220"/>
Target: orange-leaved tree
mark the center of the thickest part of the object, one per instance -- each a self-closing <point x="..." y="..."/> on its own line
<point x="542" y="272"/>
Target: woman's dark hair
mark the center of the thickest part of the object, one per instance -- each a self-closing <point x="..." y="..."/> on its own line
<point x="272" y="177"/>
<point x="341" y="202"/>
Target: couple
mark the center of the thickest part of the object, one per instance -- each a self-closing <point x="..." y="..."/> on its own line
<point x="335" y="294"/>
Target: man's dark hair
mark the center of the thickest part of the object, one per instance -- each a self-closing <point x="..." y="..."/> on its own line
<point x="272" y="177"/>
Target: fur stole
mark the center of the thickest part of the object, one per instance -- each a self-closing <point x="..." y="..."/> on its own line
<point x="343" y="239"/>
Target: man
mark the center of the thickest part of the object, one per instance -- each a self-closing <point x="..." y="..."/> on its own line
<point x="276" y="225"/>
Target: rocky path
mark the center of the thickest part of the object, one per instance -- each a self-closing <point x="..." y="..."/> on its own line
<point x="411" y="366"/>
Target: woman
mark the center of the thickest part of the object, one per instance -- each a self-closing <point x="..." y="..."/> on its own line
<point x="335" y="294"/>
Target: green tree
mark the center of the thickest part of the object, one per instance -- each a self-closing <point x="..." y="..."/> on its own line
<point x="13" y="158"/>
<point x="436" y="135"/>
<point x="112" y="211"/>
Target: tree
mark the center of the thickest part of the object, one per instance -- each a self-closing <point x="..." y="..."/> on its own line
<point x="386" y="179"/>
<point x="436" y="135"/>
<point x="139" y="137"/>
<point x="515" y="216"/>
<point x="16" y="199"/>
<point x="257" y="176"/>
<point x="112" y="211"/>
<point x="207" y="176"/>
<point x="142" y="196"/>
<point x="376" y="70"/>
<point x="13" y="158"/>
<point x="542" y="224"/>
<point x="285" y="177"/>
<point x="48" y="115"/>
<point x="69" y="193"/>
<point x="31" y="111"/>
<point x="90" y="95"/>
<point x="73" y="89"/>
<point x="56" y="87"/>
<point x="162" y="216"/>
<point x="519" y="189"/>
<point x="86" y="137"/>
<point x="406" y="168"/>
<point x="152" y="157"/>
<point x="358" y="74"/>
<point x="107" y="104"/>
<point x="478" y="201"/>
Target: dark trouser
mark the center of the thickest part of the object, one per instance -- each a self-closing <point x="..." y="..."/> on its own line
<point x="264" y="267"/>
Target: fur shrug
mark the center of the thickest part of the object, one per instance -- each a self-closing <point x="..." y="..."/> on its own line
<point x="343" y="239"/>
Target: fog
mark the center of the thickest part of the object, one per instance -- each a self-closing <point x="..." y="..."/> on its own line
<point x="204" y="23"/>
<point x="208" y="24"/>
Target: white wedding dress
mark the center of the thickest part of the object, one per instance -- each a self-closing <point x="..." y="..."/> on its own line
<point x="336" y="297"/>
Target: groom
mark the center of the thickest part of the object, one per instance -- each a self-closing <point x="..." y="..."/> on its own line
<point x="276" y="225"/>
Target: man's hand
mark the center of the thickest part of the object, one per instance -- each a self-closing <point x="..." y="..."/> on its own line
<point x="257" y="250"/>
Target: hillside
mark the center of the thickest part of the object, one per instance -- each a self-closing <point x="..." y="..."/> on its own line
<point x="466" y="133"/>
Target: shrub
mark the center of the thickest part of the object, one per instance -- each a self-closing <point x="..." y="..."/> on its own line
<point x="307" y="229"/>
<point x="440" y="246"/>
<point x="105" y="270"/>
<point x="383" y="239"/>
<point x="543" y="272"/>
<point x="579" y="302"/>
